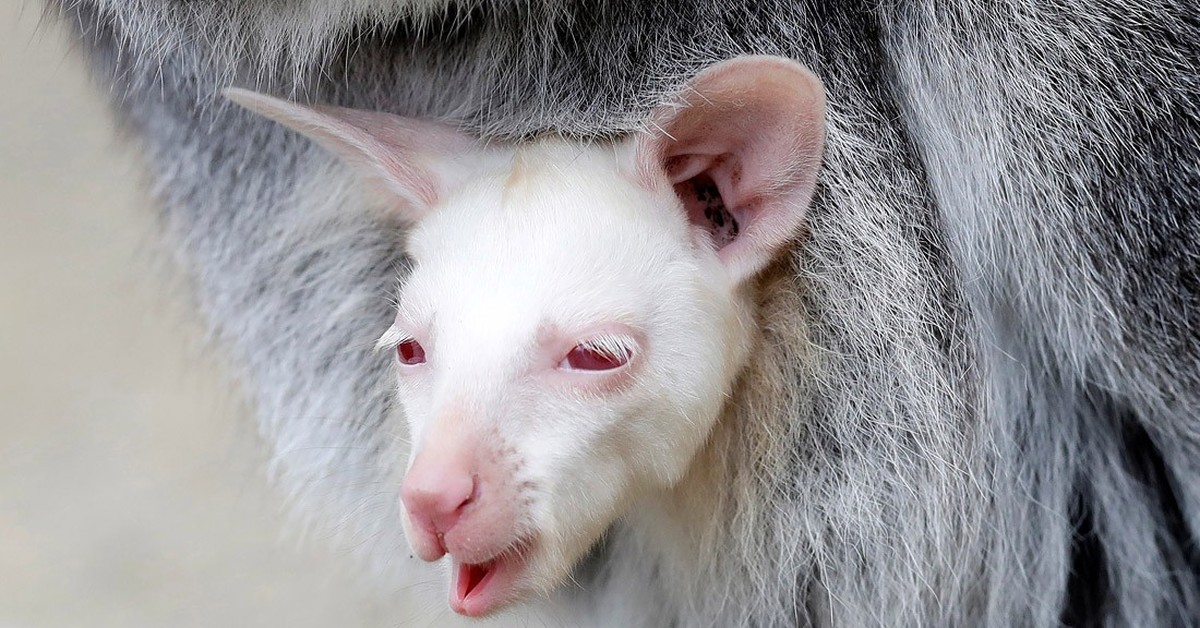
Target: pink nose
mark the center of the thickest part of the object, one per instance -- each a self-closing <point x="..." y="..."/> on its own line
<point x="436" y="494"/>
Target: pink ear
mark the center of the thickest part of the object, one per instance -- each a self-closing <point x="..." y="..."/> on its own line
<point x="410" y="159"/>
<point x="741" y="147"/>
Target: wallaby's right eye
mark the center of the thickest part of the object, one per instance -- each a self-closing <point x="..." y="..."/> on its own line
<point x="410" y="352"/>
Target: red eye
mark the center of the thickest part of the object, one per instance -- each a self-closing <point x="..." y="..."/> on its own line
<point x="586" y="357"/>
<point x="411" y="352"/>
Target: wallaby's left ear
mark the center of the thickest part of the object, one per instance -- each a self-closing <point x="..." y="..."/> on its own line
<point x="414" y="161"/>
<point x="741" y="147"/>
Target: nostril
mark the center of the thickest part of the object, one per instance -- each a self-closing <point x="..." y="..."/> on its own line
<point x="438" y="503"/>
<point x="474" y="495"/>
<point x="452" y="515"/>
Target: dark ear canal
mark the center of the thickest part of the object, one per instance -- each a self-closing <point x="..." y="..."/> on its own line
<point x="702" y="199"/>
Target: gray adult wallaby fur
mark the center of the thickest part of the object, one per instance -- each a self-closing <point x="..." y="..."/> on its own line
<point x="974" y="399"/>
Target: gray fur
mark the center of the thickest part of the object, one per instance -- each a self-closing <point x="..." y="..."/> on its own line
<point x="975" y="403"/>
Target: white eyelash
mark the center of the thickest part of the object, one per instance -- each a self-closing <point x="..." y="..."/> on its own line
<point x="391" y="339"/>
<point x="610" y="345"/>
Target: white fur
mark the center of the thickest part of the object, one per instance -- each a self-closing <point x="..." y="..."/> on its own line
<point x="571" y="243"/>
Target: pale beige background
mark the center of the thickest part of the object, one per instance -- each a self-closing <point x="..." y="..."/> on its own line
<point x="132" y="492"/>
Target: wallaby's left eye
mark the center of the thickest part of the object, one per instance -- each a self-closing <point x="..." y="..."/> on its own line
<point x="604" y="355"/>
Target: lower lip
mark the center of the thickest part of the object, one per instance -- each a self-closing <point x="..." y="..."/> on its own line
<point x="477" y="590"/>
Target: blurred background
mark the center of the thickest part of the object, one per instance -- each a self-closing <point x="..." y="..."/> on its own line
<point x="132" y="482"/>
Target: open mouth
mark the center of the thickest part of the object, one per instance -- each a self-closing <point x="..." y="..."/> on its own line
<point x="478" y="589"/>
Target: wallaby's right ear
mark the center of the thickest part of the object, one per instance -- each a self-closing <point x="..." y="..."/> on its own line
<point x="742" y="148"/>
<point x="410" y="159"/>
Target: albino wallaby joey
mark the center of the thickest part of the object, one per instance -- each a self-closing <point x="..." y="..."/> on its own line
<point x="577" y="312"/>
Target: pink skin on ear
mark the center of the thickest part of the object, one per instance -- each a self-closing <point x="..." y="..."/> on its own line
<point x="741" y="149"/>
<point x="407" y="158"/>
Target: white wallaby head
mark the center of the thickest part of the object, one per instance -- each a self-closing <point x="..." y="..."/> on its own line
<point x="577" y="313"/>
